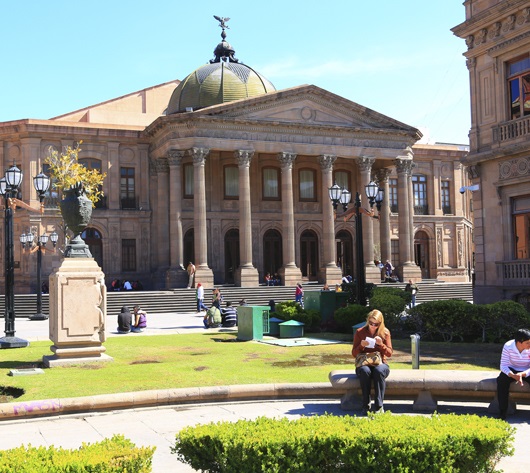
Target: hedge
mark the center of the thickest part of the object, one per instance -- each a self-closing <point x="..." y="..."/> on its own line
<point x="320" y="444"/>
<point x="114" y="455"/>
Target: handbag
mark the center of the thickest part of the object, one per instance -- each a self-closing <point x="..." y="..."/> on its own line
<point x="368" y="359"/>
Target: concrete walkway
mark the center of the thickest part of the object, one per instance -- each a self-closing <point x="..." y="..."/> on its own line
<point x="157" y="426"/>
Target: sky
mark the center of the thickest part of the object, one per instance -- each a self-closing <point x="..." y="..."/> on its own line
<point x="397" y="57"/>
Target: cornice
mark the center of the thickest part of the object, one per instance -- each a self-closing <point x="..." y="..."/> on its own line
<point x="505" y="151"/>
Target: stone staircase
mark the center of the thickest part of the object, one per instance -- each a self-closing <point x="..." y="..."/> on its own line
<point x="183" y="300"/>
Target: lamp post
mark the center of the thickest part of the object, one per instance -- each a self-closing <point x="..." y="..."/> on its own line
<point x="39" y="247"/>
<point x="341" y="195"/>
<point x="9" y="186"/>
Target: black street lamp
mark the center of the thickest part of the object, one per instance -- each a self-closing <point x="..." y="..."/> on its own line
<point x="39" y="248"/>
<point x="9" y="186"/>
<point x="341" y="195"/>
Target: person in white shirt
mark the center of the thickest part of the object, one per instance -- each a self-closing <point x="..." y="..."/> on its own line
<point x="515" y="367"/>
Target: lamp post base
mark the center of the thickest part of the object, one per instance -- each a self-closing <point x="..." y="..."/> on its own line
<point x="38" y="317"/>
<point x="13" y="342"/>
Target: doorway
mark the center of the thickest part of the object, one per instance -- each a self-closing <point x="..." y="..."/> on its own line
<point x="189" y="248"/>
<point x="272" y="252"/>
<point x="231" y="255"/>
<point x="344" y="245"/>
<point x="309" y="255"/>
<point x="421" y="253"/>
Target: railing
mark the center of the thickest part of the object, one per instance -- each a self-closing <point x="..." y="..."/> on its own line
<point x="129" y="203"/>
<point x="446" y="209"/>
<point x="515" y="271"/>
<point x="421" y="210"/>
<point x="511" y="130"/>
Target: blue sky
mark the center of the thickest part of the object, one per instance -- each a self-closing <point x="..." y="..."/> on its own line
<point x="398" y="58"/>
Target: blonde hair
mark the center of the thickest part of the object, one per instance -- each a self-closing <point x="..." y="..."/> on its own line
<point x="377" y="316"/>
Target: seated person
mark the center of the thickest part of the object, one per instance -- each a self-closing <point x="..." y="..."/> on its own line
<point x="229" y="315"/>
<point x="213" y="318"/>
<point x="124" y="320"/>
<point x="140" y="319"/>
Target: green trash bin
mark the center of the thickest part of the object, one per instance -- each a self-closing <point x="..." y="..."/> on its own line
<point x="274" y="326"/>
<point x="252" y="322"/>
<point x="292" y="329"/>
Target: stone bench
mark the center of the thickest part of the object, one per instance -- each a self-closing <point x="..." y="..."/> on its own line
<point x="426" y="387"/>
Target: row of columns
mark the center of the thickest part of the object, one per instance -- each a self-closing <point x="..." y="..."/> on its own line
<point x="247" y="274"/>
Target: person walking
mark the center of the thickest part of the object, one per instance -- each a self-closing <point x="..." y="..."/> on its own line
<point x="371" y="338"/>
<point x="200" y="298"/>
<point x="413" y="289"/>
<point x="299" y="295"/>
<point x="515" y="367"/>
<point x="191" y="274"/>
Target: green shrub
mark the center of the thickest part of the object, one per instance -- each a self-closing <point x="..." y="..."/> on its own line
<point x="504" y="319"/>
<point x="386" y="442"/>
<point x="392" y="302"/>
<point x="347" y="317"/>
<point x="291" y="310"/>
<point x="446" y="320"/>
<point x="114" y="455"/>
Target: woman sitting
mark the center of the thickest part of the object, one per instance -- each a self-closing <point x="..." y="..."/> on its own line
<point x="140" y="320"/>
<point x="373" y="337"/>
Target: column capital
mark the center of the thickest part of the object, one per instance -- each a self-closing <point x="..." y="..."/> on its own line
<point x="327" y="160"/>
<point x="174" y="157"/>
<point x="286" y="159"/>
<point x="199" y="155"/>
<point x="244" y="157"/>
<point x="158" y="166"/>
<point x="365" y="163"/>
<point x="381" y="175"/>
<point x="404" y="165"/>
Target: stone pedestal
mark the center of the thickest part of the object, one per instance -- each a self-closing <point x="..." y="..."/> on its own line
<point x="78" y="308"/>
<point x="331" y="275"/>
<point x="409" y="271"/>
<point x="290" y="275"/>
<point x="204" y="275"/>
<point x="247" y="277"/>
<point x="373" y="274"/>
<point x="176" y="277"/>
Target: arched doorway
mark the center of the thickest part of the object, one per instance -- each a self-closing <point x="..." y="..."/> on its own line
<point x="93" y="239"/>
<point x="309" y="255"/>
<point x="272" y="252"/>
<point x="421" y="253"/>
<point x="344" y="244"/>
<point x="189" y="248"/>
<point x="231" y="255"/>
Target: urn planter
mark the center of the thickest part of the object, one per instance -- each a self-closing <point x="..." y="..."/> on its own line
<point x="76" y="209"/>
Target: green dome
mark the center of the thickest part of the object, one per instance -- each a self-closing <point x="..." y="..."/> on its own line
<point x="223" y="80"/>
<point x="217" y="83"/>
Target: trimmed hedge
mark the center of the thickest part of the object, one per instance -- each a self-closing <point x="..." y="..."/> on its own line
<point x="291" y="310"/>
<point x="385" y="442"/>
<point x="114" y="455"/>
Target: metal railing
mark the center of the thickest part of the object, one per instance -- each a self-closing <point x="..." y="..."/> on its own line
<point x="131" y="203"/>
<point x="421" y="210"/>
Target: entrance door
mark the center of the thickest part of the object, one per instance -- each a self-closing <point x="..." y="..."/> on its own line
<point x="93" y="239"/>
<point x="231" y="255"/>
<point x="272" y="252"/>
<point x="421" y="253"/>
<point x="309" y="255"/>
<point x="189" y="248"/>
<point x="344" y="244"/>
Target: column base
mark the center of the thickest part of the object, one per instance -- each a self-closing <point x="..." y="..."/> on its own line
<point x="409" y="271"/>
<point x="53" y="361"/>
<point x="176" y="277"/>
<point x="204" y="275"/>
<point x="246" y="277"/>
<point x="331" y="275"/>
<point x="290" y="275"/>
<point x="373" y="274"/>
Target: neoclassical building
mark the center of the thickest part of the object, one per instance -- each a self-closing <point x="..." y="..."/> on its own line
<point x="497" y="35"/>
<point x="226" y="171"/>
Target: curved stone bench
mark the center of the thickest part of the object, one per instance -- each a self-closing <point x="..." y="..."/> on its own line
<point x="426" y="387"/>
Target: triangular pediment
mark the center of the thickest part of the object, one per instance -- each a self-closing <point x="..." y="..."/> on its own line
<point x="306" y="105"/>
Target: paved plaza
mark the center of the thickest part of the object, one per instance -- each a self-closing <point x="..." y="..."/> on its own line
<point x="157" y="426"/>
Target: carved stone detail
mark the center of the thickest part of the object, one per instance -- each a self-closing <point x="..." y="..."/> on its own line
<point x="174" y="157"/>
<point x="326" y="161"/>
<point x="286" y="159"/>
<point x="514" y="168"/>
<point x="198" y="155"/>
<point x="365" y="163"/>
<point x="244" y="157"/>
<point x="404" y="165"/>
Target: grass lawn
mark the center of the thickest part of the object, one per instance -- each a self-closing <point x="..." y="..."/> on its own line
<point x="213" y="359"/>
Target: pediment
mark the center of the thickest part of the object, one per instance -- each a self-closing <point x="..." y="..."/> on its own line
<point x="307" y="105"/>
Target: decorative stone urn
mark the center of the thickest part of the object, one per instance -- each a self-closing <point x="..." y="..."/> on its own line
<point x="76" y="209"/>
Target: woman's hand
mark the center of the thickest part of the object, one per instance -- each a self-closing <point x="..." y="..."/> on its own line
<point x="364" y="343"/>
<point x="378" y="340"/>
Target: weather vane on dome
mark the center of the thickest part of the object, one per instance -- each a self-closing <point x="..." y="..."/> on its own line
<point x="222" y="23"/>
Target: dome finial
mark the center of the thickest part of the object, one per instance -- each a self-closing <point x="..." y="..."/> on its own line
<point x="223" y="51"/>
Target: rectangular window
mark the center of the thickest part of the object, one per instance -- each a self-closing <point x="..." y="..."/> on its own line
<point x="342" y="179"/>
<point x="231" y="182"/>
<point x="446" y="197"/>
<point x="521" y="225"/>
<point x="307" y="184"/>
<point x="188" y="181"/>
<point x="519" y="88"/>
<point x="271" y="184"/>
<point x="394" y="249"/>
<point x="393" y="194"/>
<point x="419" y="189"/>
<point x="128" y="255"/>
<point x="127" y="189"/>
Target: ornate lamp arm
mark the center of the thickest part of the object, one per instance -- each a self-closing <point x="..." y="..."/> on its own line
<point x="13" y="203"/>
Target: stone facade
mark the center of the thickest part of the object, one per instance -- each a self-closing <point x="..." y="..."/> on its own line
<point x="497" y="35"/>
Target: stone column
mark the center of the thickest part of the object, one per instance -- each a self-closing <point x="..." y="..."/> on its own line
<point x="289" y="273"/>
<point x="203" y="273"/>
<point x="331" y="273"/>
<point x="411" y="213"/>
<point x="161" y="217"/>
<point x="176" y="275"/>
<point x="406" y="268"/>
<point x="373" y="274"/>
<point x="246" y="275"/>
<point x="384" y="215"/>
